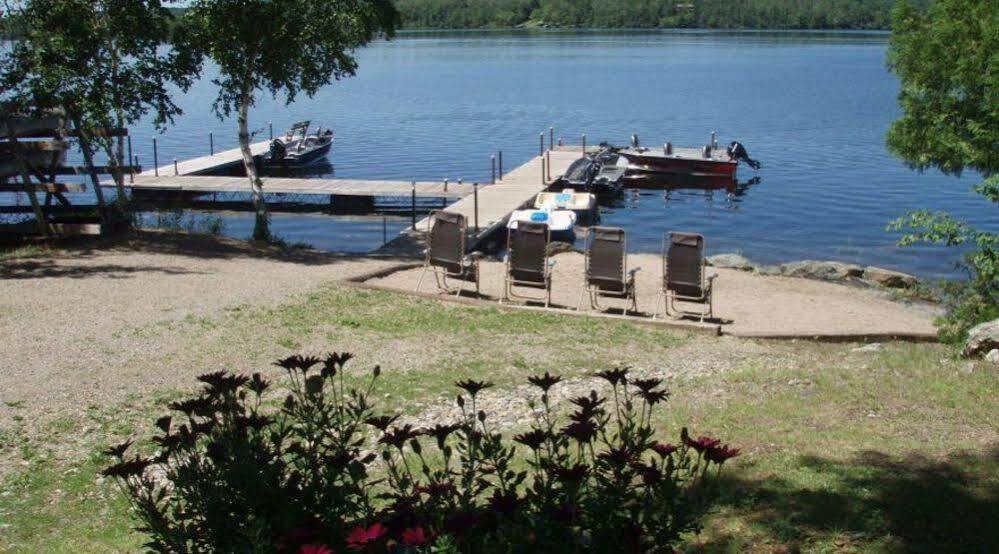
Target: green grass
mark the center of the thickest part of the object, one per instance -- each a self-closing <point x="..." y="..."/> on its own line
<point x="26" y="251"/>
<point x="889" y="451"/>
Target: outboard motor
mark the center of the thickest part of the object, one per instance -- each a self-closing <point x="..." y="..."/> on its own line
<point x="737" y="151"/>
<point x="278" y="150"/>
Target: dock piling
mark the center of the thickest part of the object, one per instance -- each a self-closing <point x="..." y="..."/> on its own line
<point x="211" y="143"/>
<point x="135" y="163"/>
<point x="548" y="162"/>
<point x="492" y="165"/>
<point x="270" y="128"/>
<point x="475" y="194"/>
<point x="500" y="165"/>
<point x="175" y="172"/>
<point x="156" y="159"/>
<point x="714" y="140"/>
<point x="541" y="144"/>
<point x="413" y="205"/>
<point x="445" y="184"/>
<point x="584" y="145"/>
<point x="551" y="137"/>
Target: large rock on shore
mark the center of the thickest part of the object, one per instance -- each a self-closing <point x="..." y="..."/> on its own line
<point x="828" y="271"/>
<point x="889" y="278"/>
<point x="730" y="261"/>
<point x="982" y="338"/>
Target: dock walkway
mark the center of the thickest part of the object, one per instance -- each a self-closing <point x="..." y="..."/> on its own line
<point x="198" y="185"/>
<point x="207" y="164"/>
<point x="495" y="202"/>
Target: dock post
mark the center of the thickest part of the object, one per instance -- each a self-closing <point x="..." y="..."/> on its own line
<point x="492" y="164"/>
<point x="500" y="165"/>
<point x="211" y="143"/>
<point x="714" y="140"/>
<point x="584" y="145"/>
<point x="270" y="127"/>
<point x="175" y="172"/>
<point x="548" y="156"/>
<point x="156" y="159"/>
<point x="560" y="142"/>
<point x="131" y="172"/>
<point x="543" y="181"/>
<point x="551" y="137"/>
<point x="413" y="205"/>
<point x="475" y="199"/>
<point x="135" y="164"/>
<point x="541" y="142"/>
<point x="445" y="184"/>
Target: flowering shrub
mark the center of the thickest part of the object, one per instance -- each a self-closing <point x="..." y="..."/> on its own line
<point x="325" y="473"/>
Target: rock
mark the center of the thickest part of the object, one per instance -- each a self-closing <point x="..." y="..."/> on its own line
<point x="768" y="270"/>
<point x="873" y="347"/>
<point x="889" y="278"/>
<point x="827" y="271"/>
<point x="730" y="261"/>
<point x="993" y="356"/>
<point x="982" y="338"/>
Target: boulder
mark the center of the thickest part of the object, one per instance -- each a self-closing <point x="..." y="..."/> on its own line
<point x="730" y="261"/>
<point x="889" y="278"/>
<point x="828" y="271"/>
<point x="768" y="270"/>
<point x="982" y="338"/>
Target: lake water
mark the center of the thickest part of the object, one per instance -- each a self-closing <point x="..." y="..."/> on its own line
<point x="812" y="107"/>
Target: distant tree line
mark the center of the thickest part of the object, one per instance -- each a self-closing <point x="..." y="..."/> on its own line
<point x="716" y="14"/>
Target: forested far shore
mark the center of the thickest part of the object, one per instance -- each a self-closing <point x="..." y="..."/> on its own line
<point x="710" y="14"/>
<point x="607" y="14"/>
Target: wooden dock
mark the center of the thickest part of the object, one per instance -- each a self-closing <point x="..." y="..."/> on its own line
<point x="516" y="190"/>
<point x="207" y="164"/>
<point x="195" y="185"/>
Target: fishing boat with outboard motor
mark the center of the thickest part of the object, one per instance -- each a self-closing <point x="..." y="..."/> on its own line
<point x="298" y="147"/>
<point x="598" y="173"/>
<point x="708" y="161"/>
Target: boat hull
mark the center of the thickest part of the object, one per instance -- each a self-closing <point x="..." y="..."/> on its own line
<point x="656" y="163"/>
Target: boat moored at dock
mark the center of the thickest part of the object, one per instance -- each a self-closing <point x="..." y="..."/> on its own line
<point x="709" y="161"/>
<point x="298" y="147"/>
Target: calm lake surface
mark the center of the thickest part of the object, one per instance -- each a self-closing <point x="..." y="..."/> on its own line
<point x="812" y="107"/>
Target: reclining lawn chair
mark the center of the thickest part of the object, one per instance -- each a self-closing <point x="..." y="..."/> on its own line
<point x="527" y="263"/>
<point x="684" y="278"/>
<point x="446" y="256"/>
<point x="606" y="268"/>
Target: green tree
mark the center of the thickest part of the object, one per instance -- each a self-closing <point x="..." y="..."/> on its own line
<point x="281" y="47"/>
<point x="100" y="62"/>
<point x="947" y="58"/>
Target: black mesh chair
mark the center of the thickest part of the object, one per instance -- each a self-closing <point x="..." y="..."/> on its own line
<point x="527" y="262"/>
<point x="606" y="268"/>
<point x="684" y="276"/>
<point x="445" y="254"/>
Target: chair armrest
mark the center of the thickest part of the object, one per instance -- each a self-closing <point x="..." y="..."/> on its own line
<point x="475" y="256"/>
<point x="631" y="273"/>
<point x="712" y="277"/>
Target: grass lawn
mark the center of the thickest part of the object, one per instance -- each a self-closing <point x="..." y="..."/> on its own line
<point x="895" y="450"/>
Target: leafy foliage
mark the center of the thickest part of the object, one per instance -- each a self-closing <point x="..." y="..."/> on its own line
<point x="282" y="47"/>
<point x="326" y="472"/>
<point x="947" y="59"/>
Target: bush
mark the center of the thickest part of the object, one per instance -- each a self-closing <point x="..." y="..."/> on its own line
<point x="323" y="472"/>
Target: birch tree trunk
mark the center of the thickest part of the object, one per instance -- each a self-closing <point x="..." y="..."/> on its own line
<point x="261" y="227"/>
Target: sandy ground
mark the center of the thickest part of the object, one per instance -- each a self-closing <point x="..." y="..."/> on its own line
<point x="745" y="303"/>
<point x="65" y="318"/>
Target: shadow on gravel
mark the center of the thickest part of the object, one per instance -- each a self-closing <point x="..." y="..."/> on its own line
<point x="911" y="504"/>
<point x="32" y="269"/>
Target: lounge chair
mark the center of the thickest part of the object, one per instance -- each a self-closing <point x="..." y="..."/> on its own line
<point x="445" y="254"/>
<point x="606" y="268"/>
<point x="684" y="276"/>
<point x="527" y="262"/>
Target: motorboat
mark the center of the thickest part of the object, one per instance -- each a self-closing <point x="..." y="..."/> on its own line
<point x="560" y="222"/>
<point x="708" y="161"/>
<point x="598" y="173"/>
<point x="299" y="147"/>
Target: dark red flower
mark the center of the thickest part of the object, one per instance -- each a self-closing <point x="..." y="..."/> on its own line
<point x="473" y="387"/>
<point x="646" y="384"/>
<point x="461" y="522"/>
<point x="701" y="444"/>
<point x="544" y="382"/>
<point x="381" y="422"/>
<point x="573" y="474"/>
<point x="582" y="431"/>
<point x="662" y="449"/>
<point x="718" y="454"/>
<point x="315" y="548"/>
<point x="504" y="503"/>
<point x="653" y="397"/>
<point x="360" y="538"/>
<point x="618" y="456"/>
<point x="614" y="376"/>
<point x="414" y="536"/>
<point x="399" y="436"/>
<point x="532" y="439"/>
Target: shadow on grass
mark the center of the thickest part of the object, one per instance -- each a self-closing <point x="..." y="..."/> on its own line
<point x="874" y="501"/>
